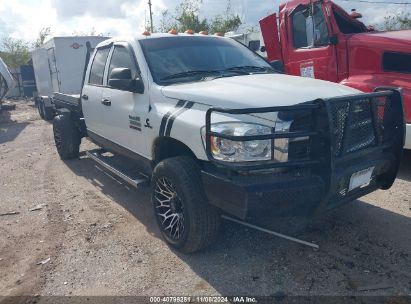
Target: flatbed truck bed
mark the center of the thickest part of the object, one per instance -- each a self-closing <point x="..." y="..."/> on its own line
<point x="69" y="101"/>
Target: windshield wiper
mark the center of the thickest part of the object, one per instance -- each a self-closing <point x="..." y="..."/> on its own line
<point x="246" y="69"/>
<point x="243" y="70"/>
<point x="190" y="73"/>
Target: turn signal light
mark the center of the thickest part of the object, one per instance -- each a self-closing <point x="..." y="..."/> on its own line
<point x="190" y="32"/>
<point x="173" y="32"/>
<point x="203" y="33"/>
<point x="146" y="33"/>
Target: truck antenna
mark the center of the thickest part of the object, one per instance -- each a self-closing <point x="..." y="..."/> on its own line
<point x="151" y="16"/>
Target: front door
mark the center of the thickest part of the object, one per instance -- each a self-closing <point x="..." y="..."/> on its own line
<point x="125" y="112"/>
<point x="311" y="53"/>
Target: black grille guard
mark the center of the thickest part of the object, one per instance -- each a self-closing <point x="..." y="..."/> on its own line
<point x="388" y="122"/>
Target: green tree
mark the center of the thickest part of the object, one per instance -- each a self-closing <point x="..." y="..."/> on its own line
<point x="15" y="52"/>
<point x="224" y="24"/>
<point x="166" y="22"/>
<point x="43" y="34"/>
<point x="227" y="22"/>
<point x="400" y="21"/>
<point x="188" y="16"/>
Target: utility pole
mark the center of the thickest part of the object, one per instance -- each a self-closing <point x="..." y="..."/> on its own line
<point x="151" y="16"/>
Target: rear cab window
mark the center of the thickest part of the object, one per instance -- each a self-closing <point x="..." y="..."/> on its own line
<point x="397" y="62"/>
<point x="98" y="66"/>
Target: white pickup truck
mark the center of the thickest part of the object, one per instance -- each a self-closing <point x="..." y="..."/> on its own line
<point x="215" y="130"/>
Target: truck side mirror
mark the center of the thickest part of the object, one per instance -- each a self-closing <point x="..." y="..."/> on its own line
<point x="121" y="79"/>
<point x="278" y="66"/>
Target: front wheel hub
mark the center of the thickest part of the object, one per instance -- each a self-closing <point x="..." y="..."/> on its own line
<point x="169" y="208"/>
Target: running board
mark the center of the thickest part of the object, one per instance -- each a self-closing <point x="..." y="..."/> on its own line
<point x="134" y="179"/>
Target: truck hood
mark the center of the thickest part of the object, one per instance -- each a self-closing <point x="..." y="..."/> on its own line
<point x="391" y="41"/>
<point x="260" y="90"/>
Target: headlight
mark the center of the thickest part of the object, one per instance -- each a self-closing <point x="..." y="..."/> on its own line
<point x="240" y="151"/>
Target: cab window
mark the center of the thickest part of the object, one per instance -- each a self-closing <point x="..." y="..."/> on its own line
<point x="98" y="65"/>
<point x="309" y="29"/>
<point x="121" y="58"/>
<point x="397" y="62"/>
<point x="346" y="24"/>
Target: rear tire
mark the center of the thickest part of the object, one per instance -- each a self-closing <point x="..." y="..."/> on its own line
<point x="40" y="108"/>
<point x="48" y="113"/>
<point x="66" y="137"/>
<point x="186" y="220"/>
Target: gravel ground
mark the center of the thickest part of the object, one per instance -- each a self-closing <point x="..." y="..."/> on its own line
<point x="101" y="237"/>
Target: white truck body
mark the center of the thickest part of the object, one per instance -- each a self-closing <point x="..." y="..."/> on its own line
<point x="42" y="72"/>
<point x="59" y="64"/>
<point x="235" y="92"/>
<point x="253" y="40"/>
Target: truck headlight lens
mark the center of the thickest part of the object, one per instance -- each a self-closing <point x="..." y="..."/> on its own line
<point x="240" y="151"/>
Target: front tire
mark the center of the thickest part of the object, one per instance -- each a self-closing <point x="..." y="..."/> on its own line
<point x="66" y="137"/>
<point x="186" y="220"/>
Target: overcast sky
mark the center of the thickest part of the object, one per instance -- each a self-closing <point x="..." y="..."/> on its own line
<point x="24" y="18"/>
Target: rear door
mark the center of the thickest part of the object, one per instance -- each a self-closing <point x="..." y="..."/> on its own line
<point x="53" y="70"/>
<point x="125" y="112"/>
<point x="92" y="92"/>
<point x="310" y="52"/>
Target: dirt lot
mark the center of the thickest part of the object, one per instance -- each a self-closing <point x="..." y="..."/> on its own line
<point x="101" y="237"/>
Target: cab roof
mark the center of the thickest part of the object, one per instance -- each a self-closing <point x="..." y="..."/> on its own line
<point x="154" y="36"/>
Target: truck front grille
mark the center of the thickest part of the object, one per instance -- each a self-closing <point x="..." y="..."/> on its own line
<point x="299" y="148"/>
<point x="353" y="126"/>
<point x="321" y="130"/>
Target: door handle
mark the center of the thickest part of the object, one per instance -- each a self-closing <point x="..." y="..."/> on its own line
<point x="106" y="102"/>
<point x="84" y="96"/>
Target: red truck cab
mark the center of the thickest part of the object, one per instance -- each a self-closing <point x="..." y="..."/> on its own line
<point x="319" y="39"/>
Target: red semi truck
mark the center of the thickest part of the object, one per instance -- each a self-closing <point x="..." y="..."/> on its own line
<point x="319" y="39"/>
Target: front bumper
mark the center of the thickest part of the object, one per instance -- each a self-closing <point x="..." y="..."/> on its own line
<point x="408" y="137"/>
<point x="293" y="194"/>
<point x="320" y="179"/>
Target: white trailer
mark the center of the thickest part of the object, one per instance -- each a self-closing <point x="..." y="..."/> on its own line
<point x="253" y="40"/>
<point x="7" y="81"/>
<point x="59" y="67"/>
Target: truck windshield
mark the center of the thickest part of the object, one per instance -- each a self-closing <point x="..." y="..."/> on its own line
<point x="186" y="59"/>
